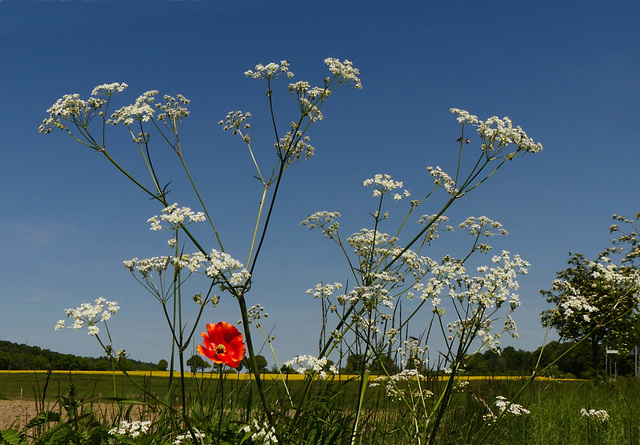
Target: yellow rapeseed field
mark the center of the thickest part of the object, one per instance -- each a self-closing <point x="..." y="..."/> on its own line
<point x="247" y="376"/>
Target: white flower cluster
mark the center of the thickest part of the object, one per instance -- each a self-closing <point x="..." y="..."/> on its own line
<point x="80" y="112"/>
<point x="498" y="133"/>
<point x="324" y="220"/>
<point x="234" y="121"/>
<point x="412" y="355"/>
<point x="432" y="233"/>
<point x="175" y="217"/>
<point x="482" y="226"/>
<point x="89" y="315"/>
<point x="345" y="72"/>
<point x="72" y="109"/>
<point x="173" y="110"/>
<point x="382" y="184"/>
<point x="597" y="415"/>
<point x="141" y="110"/>
<point x="442" y="179"/>
<point x="309" y="98"/>
<point x="261" y="433"/>
<point x="295" y="147"/>
<point x="181" y="438"/>
<point x="610" y="273"/>
<point x="131" y="429"/>
<point x="256" y="312"/>
<point x="221" y="262"/>
<point x="513" y="408"/>
<point x="324" y="291"/>
<point x="270" y="71"/>
<point x="480" y="296"/>
<point x="366" y="240"/>
<point x="218" y="265"/>
<point x="574" y="303"/>
<point x="464" y="117"/>
<point x="394" y="391"/>
<point x="107" y="89"/>
<point x="310" y="365"/>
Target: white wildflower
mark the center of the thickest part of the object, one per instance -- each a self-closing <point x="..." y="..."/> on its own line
<point x="597" y="415"/>
<point x="503" y="404"/>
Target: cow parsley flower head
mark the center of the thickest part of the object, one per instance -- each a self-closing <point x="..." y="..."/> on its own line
<point x="107" y="89"/>
<point x="270" y="71"/>
<point x="294" y="146"/>
<point x="180" y="438"/>
<point x="345" y="72"/>
<point x="382" y="184"/>
<point x="72" y="109"/>
<point x="442" y="179"/>
<point x="88" y="315"/>
<point x="498" y="133"/>
<point x="141" y="110"/>
<point x="310" y="365"/>
<point x="323" y="220"/>
<point x="132" y="429"/>
<point x="173" y="217"/>
<point x="173" y="110"/>
<point x="261" y="433"/>
<point x="513" y="408"/>
<point x="597" y="415"/>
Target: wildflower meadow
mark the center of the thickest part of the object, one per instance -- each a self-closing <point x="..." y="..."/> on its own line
<point x="410" y="321"/>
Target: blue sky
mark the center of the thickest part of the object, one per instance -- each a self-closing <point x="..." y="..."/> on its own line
<point x="567" y="72"/>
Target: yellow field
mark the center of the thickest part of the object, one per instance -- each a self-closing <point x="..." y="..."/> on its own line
<point x="246" y="376"/>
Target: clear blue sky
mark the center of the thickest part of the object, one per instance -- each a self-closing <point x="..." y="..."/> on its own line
<point x="568" y="72"/>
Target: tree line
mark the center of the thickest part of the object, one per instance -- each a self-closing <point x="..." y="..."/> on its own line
<point x="17" y="357"/>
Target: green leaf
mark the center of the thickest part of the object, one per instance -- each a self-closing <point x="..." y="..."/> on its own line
<point x="12" y="437"/>
<point x="42" y="418"/>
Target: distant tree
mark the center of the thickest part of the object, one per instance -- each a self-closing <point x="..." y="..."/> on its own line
<point x="380" y="365"/>
<point x="5" y="359"/>
<point x="197" y="363"/>
<point x="593" y="299"/>
<point x="260" y="361"/>
<point x="355" y="363"/>
<point x="103" y="364"/>
<point x="163" y="365"/>
<point x="41" y="362"/>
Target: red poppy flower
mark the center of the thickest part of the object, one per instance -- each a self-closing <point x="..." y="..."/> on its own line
<point x="223" y="343"/>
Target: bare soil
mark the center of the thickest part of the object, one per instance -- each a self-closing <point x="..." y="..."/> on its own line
<point x="18" y="411"/>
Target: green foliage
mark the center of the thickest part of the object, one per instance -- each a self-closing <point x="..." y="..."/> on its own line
<point x="12" y="437"/>
<point x="23" y="357"/>
<point x="197" y="363"/>
<point x="260" y="360"/>
<point x="588" y="303"/>
<point x="383" y="364"/>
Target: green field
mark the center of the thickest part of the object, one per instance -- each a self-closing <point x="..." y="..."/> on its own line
<point x="554" y="405"/>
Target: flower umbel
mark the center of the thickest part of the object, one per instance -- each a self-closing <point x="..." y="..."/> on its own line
<point x="88" y="315"/>
<point x="223" y="343"/>
<point x="597" y="415"/>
